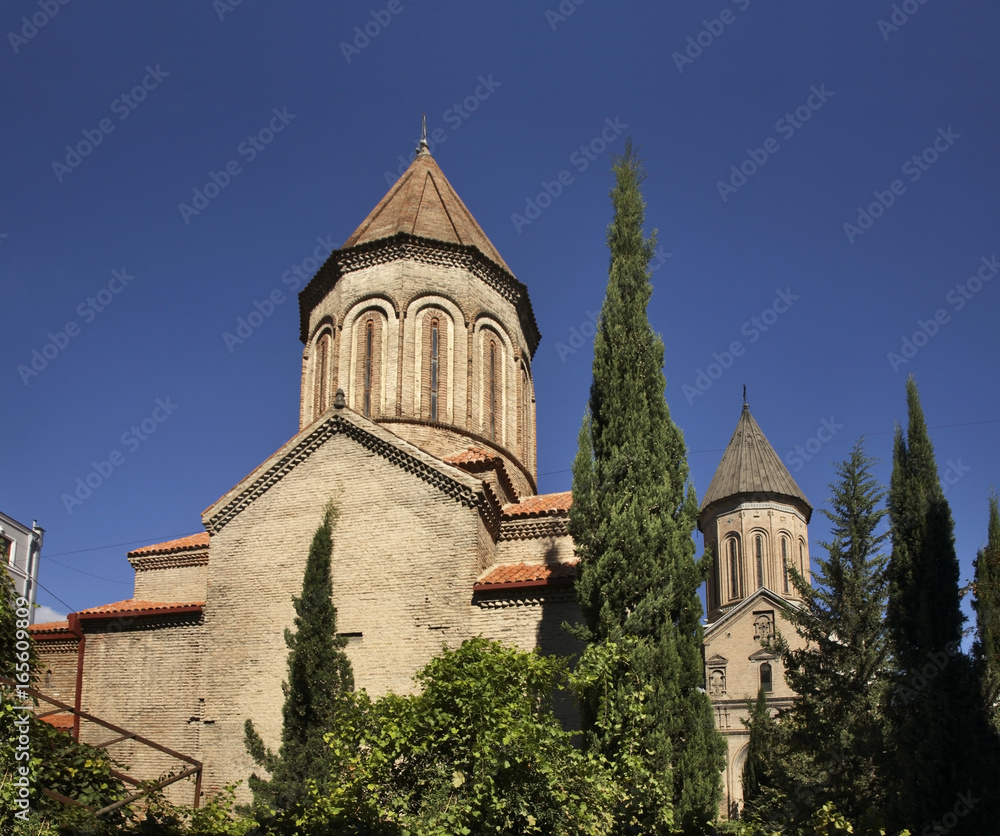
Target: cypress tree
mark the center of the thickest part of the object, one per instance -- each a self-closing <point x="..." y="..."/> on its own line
<point x="934" y="732"/>
<point x="319" y="674"/>
<point x="837" y="724"/>
<point x="757" y="768"/>
<point x="632" y="520"/>
<point x="986" y="650"/>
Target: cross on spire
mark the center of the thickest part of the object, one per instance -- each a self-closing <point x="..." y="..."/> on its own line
<point x="423" y="147"/>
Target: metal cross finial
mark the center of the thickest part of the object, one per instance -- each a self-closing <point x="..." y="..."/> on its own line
<point x="745" y="395"/>
<point x="423" y="147"/>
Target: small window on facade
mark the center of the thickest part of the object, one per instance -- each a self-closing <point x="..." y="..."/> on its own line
<point x="765" y="676"/>
<point x="369" y="340"/>
<point x="48" y="680"/>
<point x="759" y="549"/>
<point x="802" y="559"/>
<point x="434" y="369"/>
<point x="734" y="570"/>
<point x="784" y="561"/>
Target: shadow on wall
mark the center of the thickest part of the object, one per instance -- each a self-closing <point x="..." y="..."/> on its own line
<point x="559" y="607"/>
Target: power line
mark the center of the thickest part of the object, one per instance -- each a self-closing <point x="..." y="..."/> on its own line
<point x="148" y="540"/>
<point x="828" y="444"/>
<point x="91" y="574"/>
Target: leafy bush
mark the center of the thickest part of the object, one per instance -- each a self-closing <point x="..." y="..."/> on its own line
<point x="478" y="751"/>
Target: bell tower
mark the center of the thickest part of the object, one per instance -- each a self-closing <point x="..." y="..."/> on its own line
<point x="755" y="519"/>
<point x="425" y="329"/>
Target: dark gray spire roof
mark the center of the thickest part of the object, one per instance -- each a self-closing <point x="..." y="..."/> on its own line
<point x="751" y="468"/>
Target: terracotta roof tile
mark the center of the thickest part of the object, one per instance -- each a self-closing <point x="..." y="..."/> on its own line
<point x="529" y="574"/>
<point x="184" y="544"/>
<point x="50" y="627"/>
<point x="64" y="722"/>
<point x="130" y="605"/>
<point x="544" y="505"/>
<point x="471" y="455"/>
<point x="423" y="203"/>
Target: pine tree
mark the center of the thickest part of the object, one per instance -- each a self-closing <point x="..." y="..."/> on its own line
<point x="632" y="520"/>
<point x="936" y="729"/>
<point x="986" y="650"/>
<point x="837" y="724"/>
<point x="319" y="674"/>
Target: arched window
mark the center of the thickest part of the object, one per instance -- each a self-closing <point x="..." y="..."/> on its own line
<point x="369" y="358"/>
<point x="784" y="561"/>
<point x="435" y="329"/>
<point x="433" y="383"/>
<point x="765" y="677"/>
<point x="734" y="569"/>
<point x="524" y="420"/>
<point x="758" y="542"/>
<point x="491" y="382"/>
<point x="802" y="558"/>
<point x="717" y="683"/>
<point x="321" y="388"/>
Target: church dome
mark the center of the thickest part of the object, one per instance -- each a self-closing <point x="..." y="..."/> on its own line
<point x="421" y="323"/>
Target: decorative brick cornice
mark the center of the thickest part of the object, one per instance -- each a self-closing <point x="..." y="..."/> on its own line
<point x="169" y="561"/>
<point x="502" y="453"/>
<point x="47" y="646"/>
<point x="135" y="622"/>
<point x="335" y="424"/>
<point x="524" y="598"/>
<point x="403" y="246"/>
<point x="534" y="529"/>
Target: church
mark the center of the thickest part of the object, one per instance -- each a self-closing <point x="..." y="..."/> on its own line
<point x="417" y="420"/>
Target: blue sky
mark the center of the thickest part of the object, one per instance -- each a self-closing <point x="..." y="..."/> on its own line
<point x="824" y="186"/>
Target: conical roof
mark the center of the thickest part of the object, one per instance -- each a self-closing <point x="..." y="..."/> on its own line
<point x="422" y="202"/>
<point x="750" y="467"/>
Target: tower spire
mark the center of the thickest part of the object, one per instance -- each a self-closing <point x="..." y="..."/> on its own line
<point x="422" y="146"/>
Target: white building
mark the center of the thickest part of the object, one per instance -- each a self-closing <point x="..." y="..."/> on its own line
<point x="20" y="550"/>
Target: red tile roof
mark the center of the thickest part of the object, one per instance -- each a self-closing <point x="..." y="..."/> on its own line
<point x="472" y="455"/>
<point x="64" y="722"/>
<point x="50" y="627"/>
<point x="184" y="544"/>
<point x="514" y="575"/>
<point x="130" y="605"/>
<point x="545" y="505"/>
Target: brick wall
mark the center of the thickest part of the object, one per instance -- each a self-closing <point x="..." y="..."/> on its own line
<point x="145" y="674"/>
<point x="405" y="558"/>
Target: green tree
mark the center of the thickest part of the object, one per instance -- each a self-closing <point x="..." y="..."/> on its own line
<point x="761" y="754"/>
<point x="632" y="520"/>
<point x="837" y="724"/>
<point x="938" y="736"/>
<point x="477" y="751"/>
<point x="986" y="650"/>
<point x="319" y="676"/>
